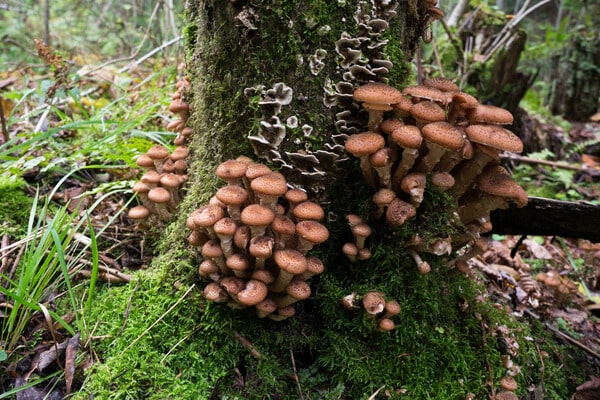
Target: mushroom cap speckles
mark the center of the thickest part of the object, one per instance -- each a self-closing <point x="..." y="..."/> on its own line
<point x="443" y="134"/>
<point x="363" y="144"/>
<point x="308" y="210"/>
<point x="312" y="231"/>
<point x="374" y="302"/>
<point x="231" y="169"/>
<point x="425" y="93"/>
<point x="256" y="214"/>
<point x="485" y="113"/>
<point x="158" y="152"/>
<point x="495" y="136"/>
<point x="290" y="260"/>
<point x="207" y="215"/>
<point x="407" y="136"/>
<point x="377" y="93"/>
<point x="509" y="383"/>
<point x="234" y="195"/>
<point x="443" y="84"/>
<point x="399" y="211"/>
<point x="496" y="180"/>
<point x="253" y="293"/>
<point x="427" y="111"/>
<point x="271" y="184"/>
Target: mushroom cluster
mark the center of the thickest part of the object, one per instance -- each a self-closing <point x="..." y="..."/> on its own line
<point x="376" y="308"/>
<point x="254" y="236"/>
<point x="357" y="250"/>
<point x="433" y="136"/>
<point x="159" y="189"/>
<point x="508" y="386"/>
<point x="181" y="108"/>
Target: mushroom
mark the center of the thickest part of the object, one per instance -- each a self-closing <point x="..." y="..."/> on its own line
<point x="225" y="229"/>
<point x="489" y="114"/>
<point x="159" y="155"/>
<point x="308" y="210"/>
<point x="414" y="185"/>
<point x="426" y="112"/>
<point x="310" y="233"/>
<point x="261" y="247"/>
<point x="496" y="188"/>
<point x="172" y="183"/>
<point x="268" y="188"/>
<point x="361" y="232"/>
<point x="442" y="84"/>
<point x="409" y="138"/>
<point x="205" y="217"/>
<point x="422" y="266"/>
<point x="362" y="145"/>
<point x="376" y="98"/>
<point x="283" y="313"/>
<point x="294" y="197"/>
<point x="214" y="292"/>
<point x="232" y="171"/>
<point x="233" y="197"/>
<point x="382" y="198"/>
<point x="265" y="307"/>
<point x="385" y="325"/>
<point x="441" y="181"/>
<point x="382" y="162"/>
<point x="257" y="217"/>
<point x="440" y="138"/>
<point x="139" y="214"/>
<point x="253" y="293"/>
<point x="283" y="228"/>
<point x="424" y="93"/>
<point x="490" y="140"/>
<point x="314" y="266"/>
<point x="509" y="383"/>
<point x="392" y="308"/>
<point x="160" y="197"/>
<point x="398" y="212"/>
<point x="295" y="291"/>
<point x="291" y="262"/>
<point x="238" y="264"/>
<point x="350" y="250"/>
<point x="211" y="250"/>
<point x="373" y="303"/>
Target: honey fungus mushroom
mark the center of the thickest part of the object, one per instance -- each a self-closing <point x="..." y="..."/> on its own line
<point x="362" y="145"/>
<point x="376" y="98"/>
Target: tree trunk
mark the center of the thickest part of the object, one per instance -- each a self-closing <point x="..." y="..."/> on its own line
<point x="273" y="80"/>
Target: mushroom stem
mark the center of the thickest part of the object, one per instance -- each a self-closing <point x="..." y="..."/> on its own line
<point x="422" y="266"/>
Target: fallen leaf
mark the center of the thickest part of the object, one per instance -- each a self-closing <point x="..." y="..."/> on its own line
<point x="70" y="354"/>
<point x="589" y="390"/>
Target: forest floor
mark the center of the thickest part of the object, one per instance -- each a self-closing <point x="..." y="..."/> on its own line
<point x="553" y="280"/>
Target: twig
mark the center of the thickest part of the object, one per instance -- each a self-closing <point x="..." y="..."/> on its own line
<point x="573" y="341"/>
<point x="248" y="345"/>
<point x="372" y="397"/>
<point x="544" y="162"/>
<point x="4" y="253"/>
<point x="151" y="53"/>
<point x="296" y="375"/>
<point x="137" y="339"/>
<point x="5" y="134"/>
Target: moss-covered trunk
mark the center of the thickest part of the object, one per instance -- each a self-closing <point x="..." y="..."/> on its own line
<point x="273" y="80"/>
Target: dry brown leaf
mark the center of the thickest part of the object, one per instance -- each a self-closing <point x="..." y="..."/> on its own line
<point x="70" y="364"/>
<point x="537" y="250"/>
<point x="589" y="390"/>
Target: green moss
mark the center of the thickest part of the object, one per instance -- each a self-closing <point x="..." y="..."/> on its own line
<point x="14" y="207"/>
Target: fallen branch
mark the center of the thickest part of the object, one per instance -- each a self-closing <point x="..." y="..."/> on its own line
<point x="554" y="164"/>
<point x="248" y="345"/>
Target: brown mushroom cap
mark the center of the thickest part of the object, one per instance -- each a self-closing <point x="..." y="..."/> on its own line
<point x="392" y="308"/>
<point x="239" y="264"/>
<point x="231" y="171"/>
<point x="225" y="227"/>
<point x="295" y="196"/>
<point x="308" y="210"/>
<point x="138" y="212"/>
<point x="407" y="136"/>
<point x="232" y="194"/>
<point x="377" y="93"/>
<point x="385" y="325"/>
<point x="506" y="395"/>
<point x="496" y="180"/>
<point x="253" y="293"/>
<point x="158" y="152"/>
<point x="442" y="181"/>
<point x="314" y="266"/>
<point x="159" y="195"/>
<point x="388" y="125"/>
<point x="257" y="215"/>
<point x="399" y="211"/>
<point x="144" y="161"/>
<point x="485" y="113"/>
<point x="290" y="260"/>
<point x="425" y="112"/>
<point x="509" y="383"/>
<point x="363" y="144"/>
<point x="207" y="215"/>
<point x="444" y="134"/>
<point x="266" y="307"/>
<point x="213" y="292"/>
<point x="495" y="136"/>
<point x="254" y="170"/>
<point x="261" y="246"/>
<point x="270" y="185"/>
<point x="425" y="93"/>
<point x="311" y="231"/>
<point x="374" y="303"/>
<point x="443" y="84"/>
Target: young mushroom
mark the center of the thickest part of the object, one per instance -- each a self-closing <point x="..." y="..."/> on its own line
<point x="377" y="98"/>
<point x="362" y="145"/>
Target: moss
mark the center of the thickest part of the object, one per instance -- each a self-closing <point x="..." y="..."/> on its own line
<point x="14" y="207"/>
